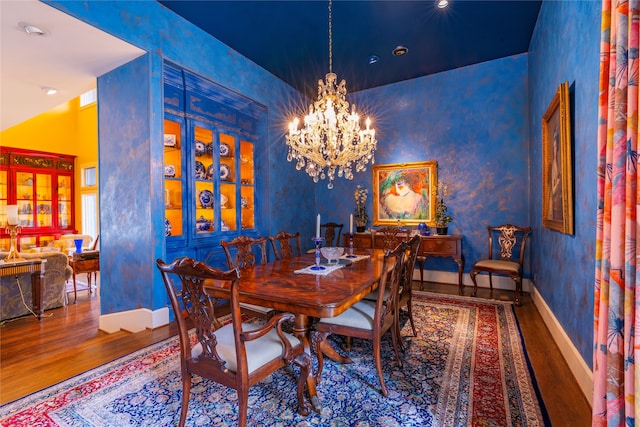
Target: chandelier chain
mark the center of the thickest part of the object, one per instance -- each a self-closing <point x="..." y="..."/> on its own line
<point x="330" y="39"/>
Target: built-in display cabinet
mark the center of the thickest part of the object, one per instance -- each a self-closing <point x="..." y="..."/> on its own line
<point x="210" y="174"/>
<point x="42" y="185"/>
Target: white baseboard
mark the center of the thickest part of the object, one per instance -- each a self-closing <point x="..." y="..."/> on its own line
<point x="134" y="320"/>
<point x="577" y="365"/>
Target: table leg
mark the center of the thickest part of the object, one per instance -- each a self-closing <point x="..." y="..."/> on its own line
<point x="37" y="293"/>
<point x="301" y="331"/>
<point x="75" y="289"/>
<point x="460" y="262"/>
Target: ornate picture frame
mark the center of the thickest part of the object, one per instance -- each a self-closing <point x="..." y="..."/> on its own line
<point x="557" y="173"/>
<point x="404" y="192"/>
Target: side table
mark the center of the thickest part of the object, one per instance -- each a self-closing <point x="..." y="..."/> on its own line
<point x="442" y="246"/>
<point x="83" y="265"/>
<point x="35" y="266"/>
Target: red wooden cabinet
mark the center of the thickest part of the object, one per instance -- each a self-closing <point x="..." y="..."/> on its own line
<point x="42" y="185"/>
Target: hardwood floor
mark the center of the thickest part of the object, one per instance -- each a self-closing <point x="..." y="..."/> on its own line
<point x="35" y="355"/>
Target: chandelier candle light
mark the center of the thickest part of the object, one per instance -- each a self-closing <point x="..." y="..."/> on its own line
<point x="330" y="137"/>
<point x="13" y="229"/>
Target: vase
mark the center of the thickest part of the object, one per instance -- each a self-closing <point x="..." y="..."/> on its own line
<point x="78" y="243"/>
<point x="442" y="231"/>
<point x="361" y="228"/>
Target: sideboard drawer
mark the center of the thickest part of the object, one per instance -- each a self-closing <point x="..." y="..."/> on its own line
<point x="439" y="246"/>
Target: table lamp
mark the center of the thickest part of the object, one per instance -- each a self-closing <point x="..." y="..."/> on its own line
<point x="13" y="228"/>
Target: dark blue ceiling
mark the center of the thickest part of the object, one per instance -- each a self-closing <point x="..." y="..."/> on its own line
<point x="290" y="38"/>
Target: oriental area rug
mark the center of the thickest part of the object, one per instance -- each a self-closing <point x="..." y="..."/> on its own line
<point x="467" y="367"/>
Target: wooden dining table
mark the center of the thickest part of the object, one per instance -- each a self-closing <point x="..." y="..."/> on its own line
<point x="278" y="286"/>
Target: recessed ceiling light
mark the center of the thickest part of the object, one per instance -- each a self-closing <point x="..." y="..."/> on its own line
<point x="373" y="59"/>
<point x="442" y="3"/>
<point x="49" y="90"/>
<point x="400" y="50"/>
<point x="32" y="29"/>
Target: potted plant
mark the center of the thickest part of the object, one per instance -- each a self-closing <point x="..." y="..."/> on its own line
<point x="442" y="217"/>
<point x="360" y="213"/>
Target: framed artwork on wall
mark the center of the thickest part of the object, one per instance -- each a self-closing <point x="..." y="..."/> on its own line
<point x="405" y="192"/>
<point x="557" y="174"/>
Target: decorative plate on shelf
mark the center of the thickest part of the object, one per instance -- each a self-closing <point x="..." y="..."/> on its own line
<point x="167" y="227"/>
<point x="223" y="226"/>
<point x="210" y="148"/>
<point x="210" y="172"/>
<point x="202" y="224"/>
<point x="201" y="148"/>
<point x="225" y="150"/>
<point x="225" y="172"/>
<point x="201" y="172"/>
<point x="206" y="198"/>
<point x="244" y="203"/>
<point x="169" y="171"/>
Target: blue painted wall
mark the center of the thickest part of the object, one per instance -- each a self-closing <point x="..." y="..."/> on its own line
<point x="565" y="47"/>
<point x="473" y="121"/>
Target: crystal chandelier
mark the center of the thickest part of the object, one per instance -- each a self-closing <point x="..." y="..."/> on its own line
<point x="330" y="137"/>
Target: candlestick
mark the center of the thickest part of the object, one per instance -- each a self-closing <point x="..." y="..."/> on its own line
<point x="318" y="241"/>
<point x="351" y="224"/>
<point x="12" y="215"/>
<point x="13" y="231"/>
<point x="351" y="255"/>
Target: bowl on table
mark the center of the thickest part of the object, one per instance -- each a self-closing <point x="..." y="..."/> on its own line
<point x="332" y="253"/>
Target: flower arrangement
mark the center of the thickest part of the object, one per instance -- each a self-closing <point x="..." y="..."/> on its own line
<point x="442" y="217"/>
<point x="360" y="216"/>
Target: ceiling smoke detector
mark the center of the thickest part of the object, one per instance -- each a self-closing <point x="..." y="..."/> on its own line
<point x="400" y="50"/>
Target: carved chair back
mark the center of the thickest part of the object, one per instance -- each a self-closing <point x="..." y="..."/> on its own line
<point x="289" y="245"/>
<point x="249" y="252"/>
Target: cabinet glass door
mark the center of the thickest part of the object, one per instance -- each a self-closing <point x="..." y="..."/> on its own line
<point x="204" y="167"/>
<point x="4" y="200"/>
<point x="25" y="198"/>
<point x="44" y="196"/>
<point x="65" y="201"/>
<point x="173" y="178"/>
<point x="228" y="181"/>
<point x="247" y="188"/>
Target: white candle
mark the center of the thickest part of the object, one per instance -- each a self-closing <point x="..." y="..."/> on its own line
<point x="318" y="226"/>
<point x="12" y="214"/>
<point x="351" y="224"/>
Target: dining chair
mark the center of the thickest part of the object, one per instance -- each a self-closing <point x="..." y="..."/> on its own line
<point x="289" y="245"/>
<point x="368" y="319"/>
<point x="405" y="295"/>
<point x="332" y="232"/>
<point x="236" y="354"/>
<point x="506" y="256"/>
<point x="244" y="253"/>
<point x="387" y="238"/>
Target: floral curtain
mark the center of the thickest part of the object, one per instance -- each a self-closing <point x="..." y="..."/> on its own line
<point x="616" y="388"/>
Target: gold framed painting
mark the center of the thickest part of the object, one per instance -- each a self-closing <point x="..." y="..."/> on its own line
<point x="404" y="192"/>
<point x="557" y="174"/>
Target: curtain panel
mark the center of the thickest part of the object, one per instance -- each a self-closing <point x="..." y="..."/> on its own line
<point x="616" y="297"/>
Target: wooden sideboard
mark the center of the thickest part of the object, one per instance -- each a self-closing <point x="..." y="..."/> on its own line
<point x="449" y="246"/>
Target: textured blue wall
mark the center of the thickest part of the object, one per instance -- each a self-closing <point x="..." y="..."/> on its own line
<point x="565" y="47"/>
<point x="287" y="202"/>
<point x="474" y="122"/>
